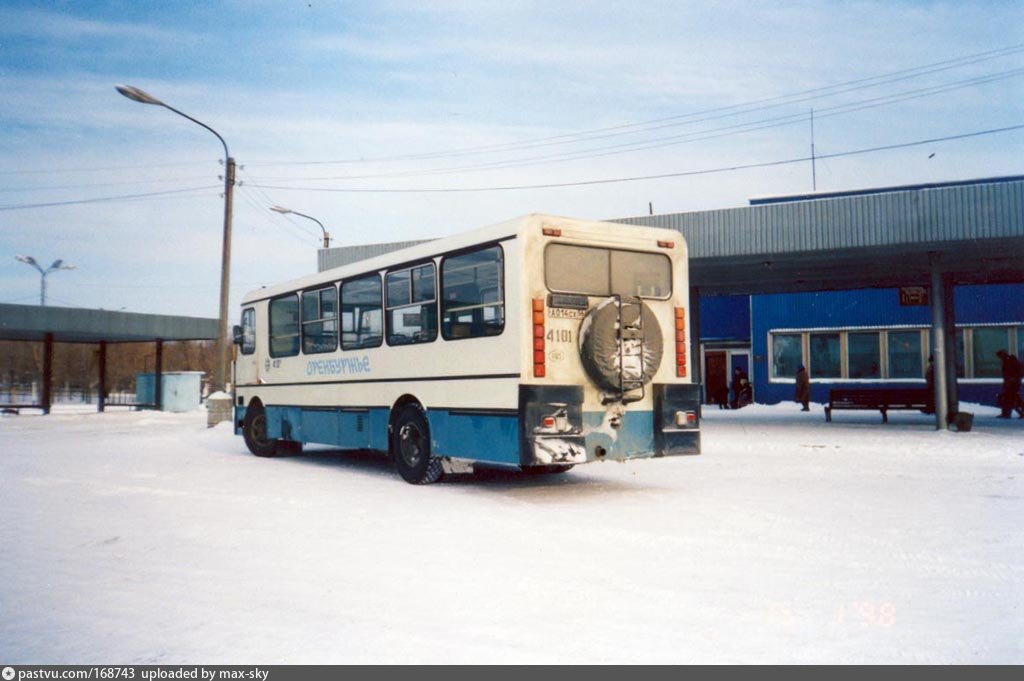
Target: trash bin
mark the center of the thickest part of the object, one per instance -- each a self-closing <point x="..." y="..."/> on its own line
<point x="962" y="421"/>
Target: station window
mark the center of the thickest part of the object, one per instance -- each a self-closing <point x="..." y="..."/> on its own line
<point x="284" y="326"/>
<point x="826" y="362"/>
<point x="905" y="356"/>
<point x="787" y="354"/>
<point x="320" y="321"/>
<point x="987" y="342"/>
<point x="472" y="295"/>
<point x="411" y="306"/>
<point x="248" y="345"/>
<point x="865" y="357"/>
<point x="905" y="352"/>
<point x="361" y="316"/>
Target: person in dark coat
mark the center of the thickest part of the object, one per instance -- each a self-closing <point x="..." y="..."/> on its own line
<point x="1010" y="397"/>
<point x="739" y="377"/>
<point x="803" y="388"/>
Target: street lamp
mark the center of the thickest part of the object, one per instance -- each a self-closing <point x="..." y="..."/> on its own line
<point x="57" y="265"/>
<point x="223" y="347"/>
<point x="285" y="211"/>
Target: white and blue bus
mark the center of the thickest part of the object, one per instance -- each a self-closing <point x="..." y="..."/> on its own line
<point x="538" y="343"/>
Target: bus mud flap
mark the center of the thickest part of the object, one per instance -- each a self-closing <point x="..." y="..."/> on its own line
<point x="551" y="425"/>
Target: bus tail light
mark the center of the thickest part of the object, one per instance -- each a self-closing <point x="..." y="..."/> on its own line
<point x="551" y="231"/>
<point x="680" y="342"/>
<point x="666" y="244"/>
<point x="539" y="369"/>
<point x="686" y="419"/>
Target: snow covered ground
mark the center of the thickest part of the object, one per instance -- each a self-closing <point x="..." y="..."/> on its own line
<point x="147" y="538"/>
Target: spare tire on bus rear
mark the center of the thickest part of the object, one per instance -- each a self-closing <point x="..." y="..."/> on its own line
<point x="601" y="343"/>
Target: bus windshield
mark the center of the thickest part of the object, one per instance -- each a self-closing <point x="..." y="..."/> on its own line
<point x="604" y="271"/>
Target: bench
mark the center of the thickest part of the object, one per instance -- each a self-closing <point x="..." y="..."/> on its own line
<point x="882" y="399"/>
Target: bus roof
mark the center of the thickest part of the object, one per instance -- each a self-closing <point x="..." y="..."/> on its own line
<point x="608" y="231"/>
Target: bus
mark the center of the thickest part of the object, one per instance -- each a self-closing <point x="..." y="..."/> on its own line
<point x="538" y="343"/>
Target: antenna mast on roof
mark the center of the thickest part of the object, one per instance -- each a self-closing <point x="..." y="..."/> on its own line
<point x="814" y="170"/>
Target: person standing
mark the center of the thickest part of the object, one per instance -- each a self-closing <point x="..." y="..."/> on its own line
<point x="1011" y="384"/>
<point x="803" y="388"/>
<point x="739" y="377"/>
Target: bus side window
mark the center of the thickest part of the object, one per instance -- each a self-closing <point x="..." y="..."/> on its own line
<point x="248" y="331"/>
<point x="411" y="306"/>
<point x="284" y="326"/>
<point x="319" y="320"/>
<point x="361" y="318"/>
<point x="472" y="297"/>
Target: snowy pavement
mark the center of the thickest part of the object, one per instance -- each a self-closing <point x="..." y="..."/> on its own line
<point x="147" y="538"/>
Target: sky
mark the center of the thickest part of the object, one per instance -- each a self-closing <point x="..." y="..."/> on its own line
<point x="391" y="121"/>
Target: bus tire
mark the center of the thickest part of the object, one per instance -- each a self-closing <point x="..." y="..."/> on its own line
<point x="254" y="431"/>
<point x="410" y="447"/>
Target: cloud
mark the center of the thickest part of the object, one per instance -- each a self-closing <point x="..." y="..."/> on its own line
<point x="64" y="28"/>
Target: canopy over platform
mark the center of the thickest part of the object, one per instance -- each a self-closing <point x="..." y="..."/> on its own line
<point x="50" y="325"/>
<point x="77" y="325"/>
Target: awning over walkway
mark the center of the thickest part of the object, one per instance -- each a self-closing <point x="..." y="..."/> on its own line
<point x="51" y="325"/>
<point x="78" y="325"/>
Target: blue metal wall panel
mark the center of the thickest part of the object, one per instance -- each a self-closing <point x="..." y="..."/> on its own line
<point x="725" y="318"/>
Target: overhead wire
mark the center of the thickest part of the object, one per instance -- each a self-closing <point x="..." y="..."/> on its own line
<point x="106" y="199"/>
<point x="251" y="201"/>
<point x="695" y="136"/>
<point x="731" y="110"/>
<point x="708" y="171"/>
<point x="93" y="169"/>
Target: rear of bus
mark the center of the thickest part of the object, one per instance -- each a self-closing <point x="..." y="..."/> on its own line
<point x="607" y="368"/>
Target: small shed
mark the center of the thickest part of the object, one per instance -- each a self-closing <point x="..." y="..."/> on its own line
<point x="180" y="391"/>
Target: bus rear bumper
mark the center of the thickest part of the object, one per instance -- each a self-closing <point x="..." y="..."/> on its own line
<point x="671" y="428"/>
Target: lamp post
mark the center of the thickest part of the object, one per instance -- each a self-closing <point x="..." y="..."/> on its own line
<point x="223" y="347"/>
<point x="57" y="265"/>
<point x="285" y="211"/>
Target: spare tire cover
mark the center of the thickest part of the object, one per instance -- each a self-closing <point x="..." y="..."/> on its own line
<point x="599" y="344"/>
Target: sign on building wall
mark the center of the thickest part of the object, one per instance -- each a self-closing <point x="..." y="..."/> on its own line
<point x="913" y="296"/>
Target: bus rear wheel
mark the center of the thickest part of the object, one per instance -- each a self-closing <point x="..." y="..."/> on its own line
<point x="254" y="431"/>
<point x="410" y="446"/>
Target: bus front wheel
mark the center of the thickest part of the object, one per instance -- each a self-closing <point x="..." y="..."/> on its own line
<point x="254" y="431"/>
<point x="410" y="446"/>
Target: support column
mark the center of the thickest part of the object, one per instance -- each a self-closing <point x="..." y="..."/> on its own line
<point x="952" y="389"/>
<point x="159" y="378"/>
<point x="47" y="397"/>
<point x="696" y="370"/>
<point x="102" y="402"/>
<point x="937" y="298"/>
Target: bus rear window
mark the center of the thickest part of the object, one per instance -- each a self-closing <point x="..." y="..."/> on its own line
<point x="604" y="271"/>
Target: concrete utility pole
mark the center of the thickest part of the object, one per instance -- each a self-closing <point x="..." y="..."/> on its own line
<point x="57" y="265"/>
<point x="285" y="211"/>
<point x="223" y="365"/>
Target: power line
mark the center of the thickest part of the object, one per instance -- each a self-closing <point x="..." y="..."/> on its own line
<point x="684" y="138"/>
<point x="105" y="199"/>
<point x="261" y="212"/>
<point x="746" y="107"/>
<point x="690" y="173"/>
<point x="305" y="227"/>
<point x="191" y="178"/>
<point x="49" y="171"/>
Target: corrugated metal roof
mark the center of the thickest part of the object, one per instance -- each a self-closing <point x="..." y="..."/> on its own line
<point x="922" y="215"/>
<point x="329" y="258"/>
